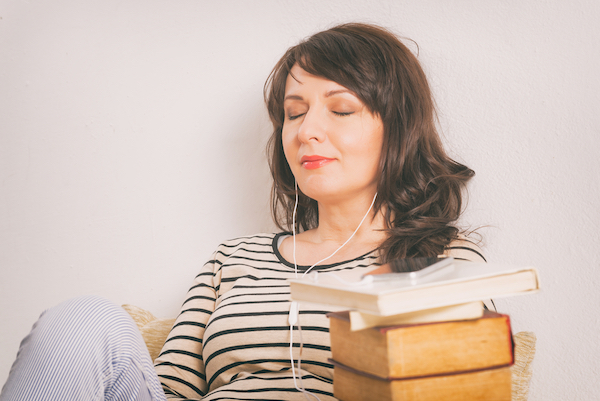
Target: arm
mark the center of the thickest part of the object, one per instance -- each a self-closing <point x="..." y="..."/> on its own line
<point x="180" y="366"/>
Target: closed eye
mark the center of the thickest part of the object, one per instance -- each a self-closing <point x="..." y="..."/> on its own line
<point x="291" y="118"/>
<point x="342" y="114"/>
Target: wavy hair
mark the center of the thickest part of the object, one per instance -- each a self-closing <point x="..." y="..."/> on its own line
<point x="420" y="186"/>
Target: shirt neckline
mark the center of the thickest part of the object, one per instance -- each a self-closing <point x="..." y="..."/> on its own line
<point x="283" y="261"/>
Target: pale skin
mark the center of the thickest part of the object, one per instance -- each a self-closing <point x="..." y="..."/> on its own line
<point x="332" y="143"/>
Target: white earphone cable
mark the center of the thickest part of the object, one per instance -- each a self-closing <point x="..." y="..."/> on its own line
<point x="294" y="229"/>
<point x="294" y="308"/>
<point x="301" y="387"/>
<point x="344" y="244"/>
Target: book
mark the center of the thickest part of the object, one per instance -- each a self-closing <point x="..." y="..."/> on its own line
<point x="483" y="385"/>
<point x="420" y="350"/>
<point x="412" y="269"/>
<point x="466" y="282"/>
<point x="466" y="311"/>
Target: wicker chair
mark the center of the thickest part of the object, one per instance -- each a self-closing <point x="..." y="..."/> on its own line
<point x="155" y="331"/>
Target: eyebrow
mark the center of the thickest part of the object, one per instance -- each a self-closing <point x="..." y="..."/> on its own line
<point x="327" y="94"/>
<point x="338" y="91"/>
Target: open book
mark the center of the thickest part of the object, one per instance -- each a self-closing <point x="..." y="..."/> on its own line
<point x="466" y="282"/>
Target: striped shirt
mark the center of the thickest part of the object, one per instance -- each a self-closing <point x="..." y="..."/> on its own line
<point x="232" y="338"/>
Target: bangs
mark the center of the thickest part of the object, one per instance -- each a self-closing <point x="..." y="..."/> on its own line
<point x="338" y="59"/>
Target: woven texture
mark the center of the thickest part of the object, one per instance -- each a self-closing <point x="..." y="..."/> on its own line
<point x="155" y="331"/>
<point x="521" y="370"/>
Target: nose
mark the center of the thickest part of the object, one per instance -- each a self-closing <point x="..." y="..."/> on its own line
<point x="313" y="127"/>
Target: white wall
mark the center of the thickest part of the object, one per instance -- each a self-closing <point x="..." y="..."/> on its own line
<point x="132" y="136"/>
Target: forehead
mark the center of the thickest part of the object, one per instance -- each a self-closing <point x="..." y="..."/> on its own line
<point x="300" y="80"/>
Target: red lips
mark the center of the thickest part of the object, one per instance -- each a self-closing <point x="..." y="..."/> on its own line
<point x="314" y="162"/>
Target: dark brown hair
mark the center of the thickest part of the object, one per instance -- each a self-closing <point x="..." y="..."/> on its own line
<point x="420" y="186"/>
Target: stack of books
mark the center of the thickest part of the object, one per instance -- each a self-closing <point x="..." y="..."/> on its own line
<point x="430" y="340"/>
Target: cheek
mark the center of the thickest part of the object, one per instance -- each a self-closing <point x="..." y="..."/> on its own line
<point x="289" y="149"/>
<point x="376" y="142"/>
<point x="371" y="149"/>
<point x="365" y="147"/>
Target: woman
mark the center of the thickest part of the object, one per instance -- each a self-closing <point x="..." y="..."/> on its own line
<point x="353" y="123"/>
<point x="360" y="178"/>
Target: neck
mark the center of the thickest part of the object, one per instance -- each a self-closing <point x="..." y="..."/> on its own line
<point x="338" y="222"/>
<point x="320" y="236"/>
<point x="333" y="240"/>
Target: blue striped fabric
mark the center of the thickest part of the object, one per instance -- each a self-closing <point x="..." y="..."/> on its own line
<point x="83" y="349"/>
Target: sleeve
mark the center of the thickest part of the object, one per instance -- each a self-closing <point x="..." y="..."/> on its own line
<point x="180" y="366"/>
<point x="462" y="248"/>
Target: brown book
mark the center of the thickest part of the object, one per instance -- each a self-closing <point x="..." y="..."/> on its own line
<point x="482" y="385"/>
<point x="417" y="350"/>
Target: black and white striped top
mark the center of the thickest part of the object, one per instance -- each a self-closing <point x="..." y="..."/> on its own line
<point x="231" y="340"/>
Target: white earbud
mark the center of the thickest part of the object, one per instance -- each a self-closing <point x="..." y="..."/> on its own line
<point x="293" y="317"/>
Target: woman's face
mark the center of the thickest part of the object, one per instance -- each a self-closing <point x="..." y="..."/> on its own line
<point x="332" y="142"/>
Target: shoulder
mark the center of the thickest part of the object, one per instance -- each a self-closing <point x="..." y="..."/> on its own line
<point x="261" y="243"/>
<point x="464" y="248"/>
<point x="260" y="239"/>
